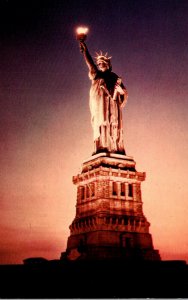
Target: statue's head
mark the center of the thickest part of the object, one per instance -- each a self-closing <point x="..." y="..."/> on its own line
<point x="103" y="62"/>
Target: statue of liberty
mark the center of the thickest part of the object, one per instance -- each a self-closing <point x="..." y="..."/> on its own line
<point x="108" y="96"/>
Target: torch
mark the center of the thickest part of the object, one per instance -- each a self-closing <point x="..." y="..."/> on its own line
<point x="81" y="34"/>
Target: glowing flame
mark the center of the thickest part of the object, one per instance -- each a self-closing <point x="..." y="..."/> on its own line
<point x="82" y="30"/>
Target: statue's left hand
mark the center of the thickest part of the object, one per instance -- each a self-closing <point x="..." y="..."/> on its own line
<point x="119" y="89"/>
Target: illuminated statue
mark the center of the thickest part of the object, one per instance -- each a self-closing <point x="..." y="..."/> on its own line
<point x="109" y="223"/>
<point x="107" y="98"/>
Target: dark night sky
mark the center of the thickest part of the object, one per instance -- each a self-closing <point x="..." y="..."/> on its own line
<point x="45" y="121"/>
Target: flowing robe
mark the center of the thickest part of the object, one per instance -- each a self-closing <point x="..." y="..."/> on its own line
<point x="106" y="109"/>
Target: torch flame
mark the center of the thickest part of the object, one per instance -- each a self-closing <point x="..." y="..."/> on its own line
<point x="82" y="30"/>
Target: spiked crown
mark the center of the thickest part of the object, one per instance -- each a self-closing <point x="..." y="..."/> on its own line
<point x="104" y="57"/>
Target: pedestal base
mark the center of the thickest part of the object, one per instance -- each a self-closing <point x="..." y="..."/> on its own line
<point x="109" y="221"/>
<point x="111" y="245"/>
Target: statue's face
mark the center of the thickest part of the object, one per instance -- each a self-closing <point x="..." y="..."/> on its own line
<point x="102" y="66"/>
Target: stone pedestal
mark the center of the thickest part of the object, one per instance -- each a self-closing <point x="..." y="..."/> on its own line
<point x="109" y="221"/>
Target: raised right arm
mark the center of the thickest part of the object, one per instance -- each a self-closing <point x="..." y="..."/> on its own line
<point x="88" y="59"/>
